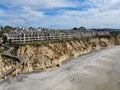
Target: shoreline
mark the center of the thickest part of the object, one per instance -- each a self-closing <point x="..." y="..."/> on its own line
<point x="114" y="79"/>
<point x="83" y="73"/>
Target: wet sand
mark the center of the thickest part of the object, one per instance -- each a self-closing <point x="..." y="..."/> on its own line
<point x="114" y="78"/>
<point x="99" y="70"/>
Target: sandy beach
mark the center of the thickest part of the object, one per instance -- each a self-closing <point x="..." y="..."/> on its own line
<point x="98" y="70"/>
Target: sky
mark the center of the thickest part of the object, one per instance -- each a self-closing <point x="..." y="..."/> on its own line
<point x="63" y="14"/>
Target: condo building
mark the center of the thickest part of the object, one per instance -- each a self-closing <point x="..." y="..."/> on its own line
<point x="30" y="35"/>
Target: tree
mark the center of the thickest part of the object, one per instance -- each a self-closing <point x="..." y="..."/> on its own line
<point x="75" y="28"/>
<point x="6" y="29"/>
<point x="82" y="28"/>
<point x="4" y="38"/>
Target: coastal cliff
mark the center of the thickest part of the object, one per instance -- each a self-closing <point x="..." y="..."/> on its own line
<point x="53" y="54"/>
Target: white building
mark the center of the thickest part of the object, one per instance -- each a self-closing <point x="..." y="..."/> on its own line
<point x="29" y="35"/>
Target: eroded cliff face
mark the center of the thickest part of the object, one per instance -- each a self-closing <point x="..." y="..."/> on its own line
<point x="52" y="54"/>
<point x="6" y="64"/>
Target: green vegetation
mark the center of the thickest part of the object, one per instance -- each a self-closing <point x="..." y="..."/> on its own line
<point x="3" y="31"/>
<point x="4" y="38"/>
<point x="2" y="49"/>
<point x="106" y="36"/>
<point x="6" y="29"/>
<point x="27" y="43"/>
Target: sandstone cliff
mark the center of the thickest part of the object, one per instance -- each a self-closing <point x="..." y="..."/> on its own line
<point x="52" y="54"/>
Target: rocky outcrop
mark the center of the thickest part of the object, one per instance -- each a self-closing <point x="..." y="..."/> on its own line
<point x="53" y="54"/>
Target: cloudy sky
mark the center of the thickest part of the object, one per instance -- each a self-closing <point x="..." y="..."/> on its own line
<point x="60" y="13"/>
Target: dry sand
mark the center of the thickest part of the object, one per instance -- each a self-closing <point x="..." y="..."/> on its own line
<point x="98" y="70"/>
